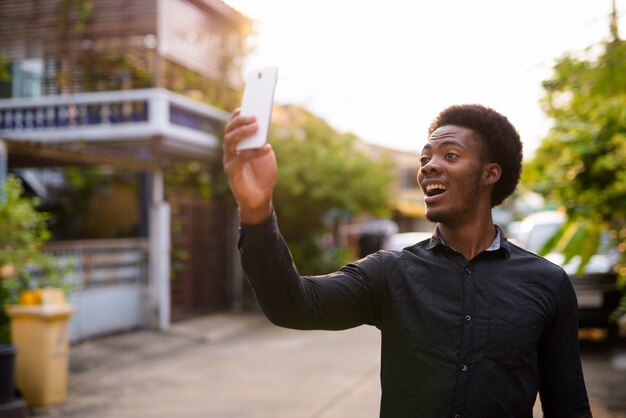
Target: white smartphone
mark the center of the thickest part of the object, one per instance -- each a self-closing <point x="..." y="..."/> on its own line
<point x="258" y="98"/>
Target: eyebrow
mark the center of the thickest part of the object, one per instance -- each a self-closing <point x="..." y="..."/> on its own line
<point x="444" y="143"/>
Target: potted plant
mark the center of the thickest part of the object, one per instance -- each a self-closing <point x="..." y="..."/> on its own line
<point x="24" y="268"/>
<point x="23" y="265"/>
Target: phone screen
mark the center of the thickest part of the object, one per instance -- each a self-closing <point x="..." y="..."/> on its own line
<point x="258" y="98"/>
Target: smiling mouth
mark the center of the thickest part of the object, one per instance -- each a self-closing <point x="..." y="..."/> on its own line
<point x="435" y="189"/>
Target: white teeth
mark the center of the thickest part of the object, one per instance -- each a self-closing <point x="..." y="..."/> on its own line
<point x="437" y="186"/>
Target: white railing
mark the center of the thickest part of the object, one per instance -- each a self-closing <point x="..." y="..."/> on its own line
<point x="114" y="115"/>
<point x="96" y="263"/>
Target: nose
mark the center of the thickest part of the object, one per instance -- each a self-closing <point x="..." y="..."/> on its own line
<point x="432" y="166"/>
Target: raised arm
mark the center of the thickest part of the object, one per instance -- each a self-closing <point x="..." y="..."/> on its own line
<point x="341" y="300"/>
<point x="251" y="173"/>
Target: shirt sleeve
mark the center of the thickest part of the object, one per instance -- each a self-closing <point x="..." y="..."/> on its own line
<point x="340" y="300"/>
<point x="562" y="386"/>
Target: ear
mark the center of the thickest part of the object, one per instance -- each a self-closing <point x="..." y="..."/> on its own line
<point x="491" y="174"/>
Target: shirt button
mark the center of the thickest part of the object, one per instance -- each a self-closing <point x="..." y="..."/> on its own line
<point x="468" y="318"/>
<point x="457" y="416"/>
<point x="463" y="368"/>
<point x="468" y="271"/>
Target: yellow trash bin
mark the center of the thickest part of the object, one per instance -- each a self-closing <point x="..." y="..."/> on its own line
<point x="40" y="334"/>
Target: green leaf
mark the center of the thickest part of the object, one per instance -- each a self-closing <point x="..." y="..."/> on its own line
<point x="579" y="164"/>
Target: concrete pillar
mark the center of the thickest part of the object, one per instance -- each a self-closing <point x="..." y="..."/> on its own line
<point x="235" y="271"/>
<point x="159" y="254"/>
<point x="158" y="109"/>
<point x="4" y="168"/>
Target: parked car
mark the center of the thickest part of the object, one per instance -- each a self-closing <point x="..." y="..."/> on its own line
<point x="596" y="289"/>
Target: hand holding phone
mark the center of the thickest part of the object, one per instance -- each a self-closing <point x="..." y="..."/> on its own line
<point x="258" y="98"/>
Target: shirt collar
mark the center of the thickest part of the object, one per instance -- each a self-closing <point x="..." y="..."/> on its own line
<point x="499" y="242"/>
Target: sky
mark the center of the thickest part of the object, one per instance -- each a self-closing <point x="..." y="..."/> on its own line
<point x="384" y="69"/>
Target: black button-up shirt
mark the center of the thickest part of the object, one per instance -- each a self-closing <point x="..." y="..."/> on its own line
<point x="474" y="338"/>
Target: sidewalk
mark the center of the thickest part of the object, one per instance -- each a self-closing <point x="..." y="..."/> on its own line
<point x="93" y="359"/>
<point x="229" y="365"/>
<point x="102" y="354"/>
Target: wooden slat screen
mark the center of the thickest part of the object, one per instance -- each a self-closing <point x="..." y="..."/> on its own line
<point x="124" y="45"/>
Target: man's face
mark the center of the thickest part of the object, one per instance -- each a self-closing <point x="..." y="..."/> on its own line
<point x="450" y="175"/>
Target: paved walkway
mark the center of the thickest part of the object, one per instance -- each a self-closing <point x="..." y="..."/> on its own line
<point x="227" y="366"/>
<point x="224" y="366"/>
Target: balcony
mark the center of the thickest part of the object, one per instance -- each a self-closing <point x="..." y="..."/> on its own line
<point x="148" y="126"/>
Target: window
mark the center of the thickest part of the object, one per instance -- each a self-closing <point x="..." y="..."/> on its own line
<point x="21" y="79"/>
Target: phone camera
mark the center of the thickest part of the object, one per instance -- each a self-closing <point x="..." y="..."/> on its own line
<point x="259" y="75"/>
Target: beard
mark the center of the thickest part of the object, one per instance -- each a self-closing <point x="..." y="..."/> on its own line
<point x="462" y="213"/>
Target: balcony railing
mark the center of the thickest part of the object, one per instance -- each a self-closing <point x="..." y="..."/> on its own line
<point x="112" y="116"/>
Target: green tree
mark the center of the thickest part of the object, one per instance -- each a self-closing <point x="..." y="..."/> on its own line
<point x="321" y="172"/>
<point x="580" y="164"/>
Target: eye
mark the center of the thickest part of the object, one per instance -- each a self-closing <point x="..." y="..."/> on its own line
<point x="424" y="161"/>
<point x="451" y="156"/>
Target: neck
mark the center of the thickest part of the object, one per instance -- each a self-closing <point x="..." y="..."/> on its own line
<point x="469" y="239"/>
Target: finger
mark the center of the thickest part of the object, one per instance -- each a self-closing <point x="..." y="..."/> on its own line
<point x="233" y="163"/>
<point x="237" y="121"/>
<point x="250" y="154"/>
<point x="236" y="135"/>
<point x="244" y="156"/>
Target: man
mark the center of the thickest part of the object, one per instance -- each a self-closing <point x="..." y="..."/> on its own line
<point x="471" y="325"/>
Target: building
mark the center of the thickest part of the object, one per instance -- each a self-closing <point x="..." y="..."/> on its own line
<point x="137" y="87"/>
<point x="407" y="204"/>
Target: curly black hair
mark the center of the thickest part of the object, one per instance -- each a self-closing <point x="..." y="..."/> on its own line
<point x="503" y="144"/>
